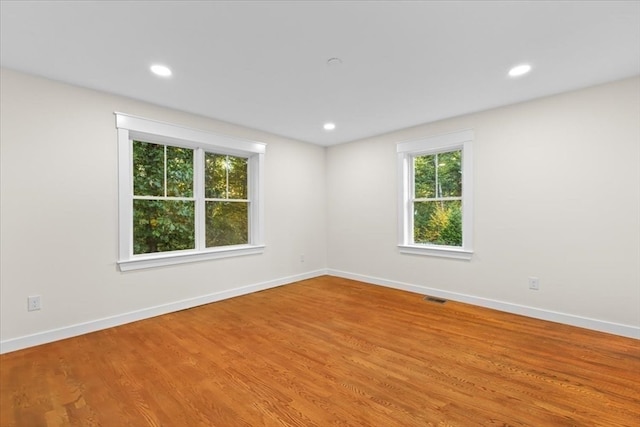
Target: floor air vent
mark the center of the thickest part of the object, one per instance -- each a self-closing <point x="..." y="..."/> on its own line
<point x="434" y="299"/>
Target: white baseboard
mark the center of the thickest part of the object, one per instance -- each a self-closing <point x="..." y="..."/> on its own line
<point x="124" y="318"/>
<point x="537" y="313"/>
<point x="121" y="319"/>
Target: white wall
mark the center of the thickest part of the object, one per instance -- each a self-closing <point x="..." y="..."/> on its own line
<point x="557" y="196"/>
<point x="59" y="216"/>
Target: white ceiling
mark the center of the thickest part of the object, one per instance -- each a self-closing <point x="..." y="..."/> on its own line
<point x="263" y="64"/>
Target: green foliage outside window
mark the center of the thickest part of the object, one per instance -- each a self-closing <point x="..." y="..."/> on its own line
<point x="225" y="177"/>
<point x="438" y="199"/>
<point x="227" y="216"/>
<point x="150" y="165"/>
<point x="227" y="223"/>
<point x="164" y="204"/>
<point x="438" y="223"/>
<point x="162" y="223"/>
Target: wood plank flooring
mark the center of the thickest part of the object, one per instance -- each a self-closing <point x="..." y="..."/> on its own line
<point x="327" y="352"/>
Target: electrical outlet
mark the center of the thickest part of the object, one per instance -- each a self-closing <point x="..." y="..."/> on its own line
<point x="33" y="303"/>
<point x="302" y="258"/>
<point x="534" y="283"/>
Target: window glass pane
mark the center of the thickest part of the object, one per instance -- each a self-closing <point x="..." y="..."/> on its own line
<point x="179" y="172"/>
<point x="148" y="169"/>
<point x="163" y="225"/>
<point x="450" y="174"/>
<point x="215" y="176"/>
<point x="237" y="167"/>
<point x="227" y="223"/>
<point x="225" y="177"/>
<point x="438" y="223"/>
<point x="425" y="176"/>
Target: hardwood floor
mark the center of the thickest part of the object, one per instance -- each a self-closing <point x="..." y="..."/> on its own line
<point x="327" y="352"/>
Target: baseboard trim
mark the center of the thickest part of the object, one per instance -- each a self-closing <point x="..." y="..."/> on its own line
<point x="58" y="334"/>
<point x="537" y="313"/>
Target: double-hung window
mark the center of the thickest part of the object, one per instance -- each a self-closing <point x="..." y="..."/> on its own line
<point x="435" y="195"/>
<point x="186" y="195"/>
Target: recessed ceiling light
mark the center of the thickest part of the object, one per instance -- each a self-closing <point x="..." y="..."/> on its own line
<point x="160" y="70"/>
<point x="519" y="70"/>
<point x="329" y="126"/>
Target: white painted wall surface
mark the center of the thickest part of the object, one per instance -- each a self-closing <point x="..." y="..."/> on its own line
<point x="557" y="196"/>
<point x="59" y="216"/>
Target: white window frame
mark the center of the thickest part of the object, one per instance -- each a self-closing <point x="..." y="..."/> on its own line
<point x="132" y="128"/>
<point x="406" y="152"/>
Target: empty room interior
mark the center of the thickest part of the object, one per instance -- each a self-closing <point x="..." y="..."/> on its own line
<point x="318" y="213"/>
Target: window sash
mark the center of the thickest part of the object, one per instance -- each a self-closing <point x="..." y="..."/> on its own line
<point x="437" y="181"/>
<point x="436" y="199"/>
<point x="187" y="199"/>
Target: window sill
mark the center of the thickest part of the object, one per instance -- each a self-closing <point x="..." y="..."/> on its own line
<point x="160" y="260"/>
<point x="442" y="252"/>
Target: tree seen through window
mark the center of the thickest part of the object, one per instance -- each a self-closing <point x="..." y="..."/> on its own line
<point x="164" y="203"/>
<point x="437" y="199"/>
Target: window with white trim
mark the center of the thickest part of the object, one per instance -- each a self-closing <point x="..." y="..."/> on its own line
<point x="186" y="195"/>
<point x="435" y="206"/>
